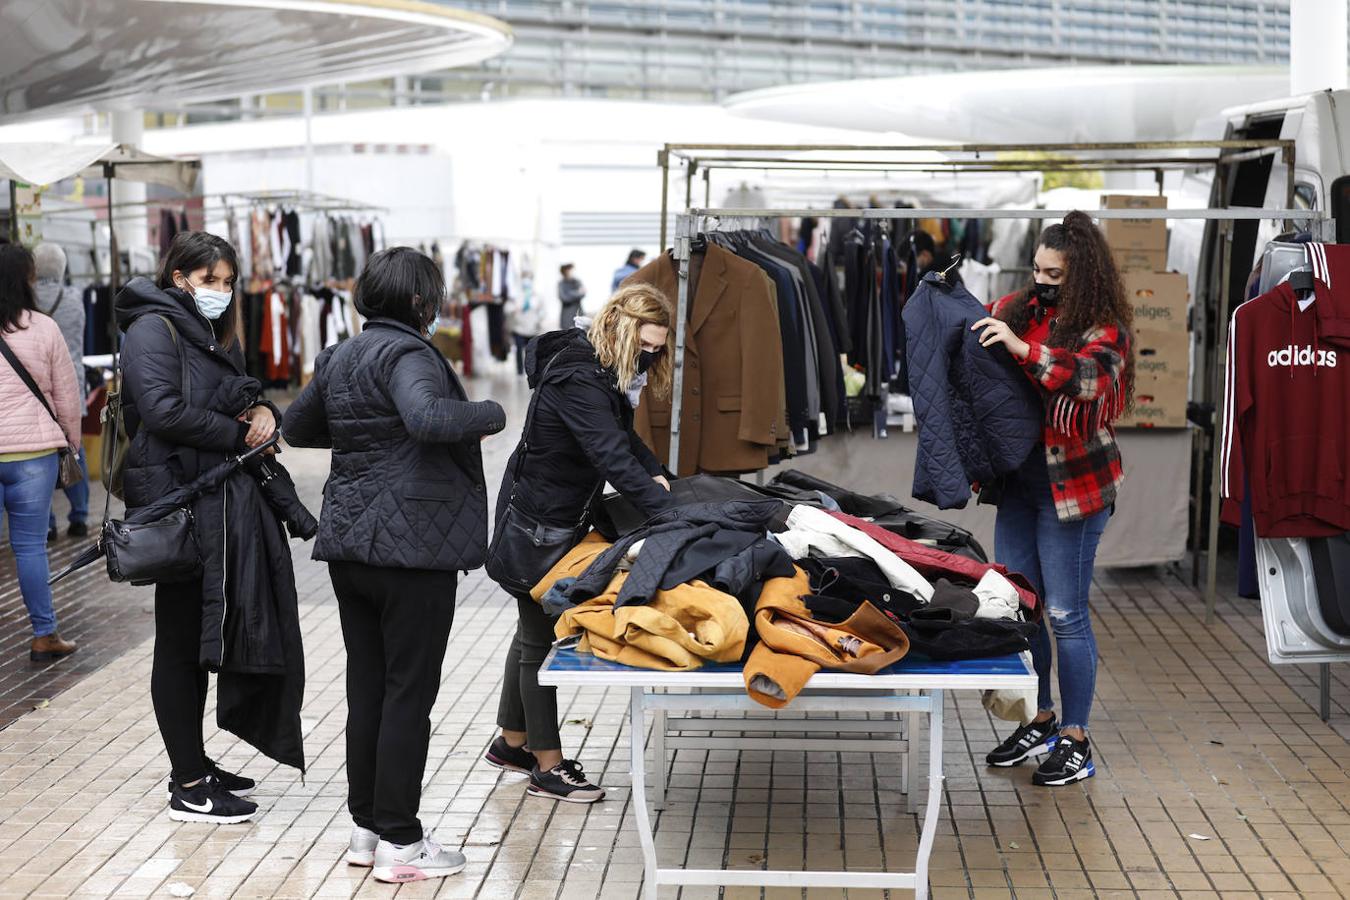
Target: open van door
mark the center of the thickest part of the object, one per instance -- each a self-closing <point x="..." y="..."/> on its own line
<point x="1305" y="598"/>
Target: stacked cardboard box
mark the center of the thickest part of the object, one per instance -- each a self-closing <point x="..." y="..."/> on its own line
<point x="1159" y="298"/>
<point x="1162" y="349"/>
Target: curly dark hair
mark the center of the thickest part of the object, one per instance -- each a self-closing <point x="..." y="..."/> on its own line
<point x="1091" y="296"/>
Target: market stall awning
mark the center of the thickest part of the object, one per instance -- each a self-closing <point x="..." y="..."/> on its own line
<point x="72" y="56"/>
<point x="48" y="163"/>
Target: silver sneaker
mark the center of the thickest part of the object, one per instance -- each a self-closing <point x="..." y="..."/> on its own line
<point x="361" y="848"/>
<point x="416" y="862"/>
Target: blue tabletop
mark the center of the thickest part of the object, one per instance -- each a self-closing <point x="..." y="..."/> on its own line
<point x="567" y="659"/>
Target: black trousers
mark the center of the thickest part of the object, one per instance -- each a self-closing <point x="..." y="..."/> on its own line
<point x="177" y="680"/>
<point x="395" y="625"/>
<point x="525" y="704"/>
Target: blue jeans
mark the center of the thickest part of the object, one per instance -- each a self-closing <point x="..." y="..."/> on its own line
<point x="26" y="495"/>
<point x="1057" y="558"/>
<point x="78" y="495"/>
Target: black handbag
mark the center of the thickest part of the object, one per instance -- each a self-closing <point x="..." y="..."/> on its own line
<point x="165" y="549"/>
<point x="69" y="472"/>
<point x="523" y="548"/>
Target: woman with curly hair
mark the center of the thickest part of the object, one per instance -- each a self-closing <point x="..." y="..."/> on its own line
<point x="580" y="436"/>
<point x="1070" y="329"/>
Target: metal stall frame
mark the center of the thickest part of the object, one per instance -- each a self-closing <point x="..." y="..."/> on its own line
<point x="691" y="223"/>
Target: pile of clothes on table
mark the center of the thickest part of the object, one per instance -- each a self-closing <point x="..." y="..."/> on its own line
<point x="786" y="578"/>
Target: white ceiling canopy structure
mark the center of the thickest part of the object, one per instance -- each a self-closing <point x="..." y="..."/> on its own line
<point x="74" y="56"/>
<point x="1069" y="104"/>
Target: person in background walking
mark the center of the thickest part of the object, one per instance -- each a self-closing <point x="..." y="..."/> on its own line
<point x="635" y="260"/>
<point x="570" y="294"/>
<point x="63" y="303"/>
<point x="405" y="510"/>
<point x="581" y="436"/>
<point x="526" y="319"/>
<point x="1070" y="330"/>
<point x="34" y="428"/>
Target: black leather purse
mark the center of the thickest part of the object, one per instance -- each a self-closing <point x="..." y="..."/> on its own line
<point x="523" y="548"/>
<point x="164" y="549"/>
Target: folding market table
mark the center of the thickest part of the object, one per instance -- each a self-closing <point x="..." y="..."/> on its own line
<point x="913" y="686"/>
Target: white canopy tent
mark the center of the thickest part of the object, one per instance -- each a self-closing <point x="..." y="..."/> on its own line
<point x="47" y="163"/>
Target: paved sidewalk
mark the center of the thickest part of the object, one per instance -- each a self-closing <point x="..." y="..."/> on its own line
<point x="1215" y="779"/>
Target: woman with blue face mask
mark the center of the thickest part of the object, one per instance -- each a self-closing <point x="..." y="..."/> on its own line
<point x="188" y="405"/>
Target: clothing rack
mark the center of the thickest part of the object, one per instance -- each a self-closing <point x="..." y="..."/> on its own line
<point x="690" y="224"/>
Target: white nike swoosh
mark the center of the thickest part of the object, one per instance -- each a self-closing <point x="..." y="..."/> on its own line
<point x="203" y="808"/>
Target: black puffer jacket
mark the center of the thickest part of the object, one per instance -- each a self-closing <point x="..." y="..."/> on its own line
<point x="979" y="415"/>
<point x="180" y="439"/>
<point x="250" y="619"/>
<point x="582" y="436"/>
<point x="406" y="488"/>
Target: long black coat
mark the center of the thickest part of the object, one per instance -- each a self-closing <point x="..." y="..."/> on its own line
<point x="250" y="619"/>
<point x="581" y="436"/>
<point x="406" y="489"/>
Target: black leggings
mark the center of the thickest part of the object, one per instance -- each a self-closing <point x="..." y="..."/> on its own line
<point x="526" y="705"/>
<point x="395" y="625"/>
<point x="177" y="680"/>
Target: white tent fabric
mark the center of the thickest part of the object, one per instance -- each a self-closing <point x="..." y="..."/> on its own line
<point x="47" y="163"/>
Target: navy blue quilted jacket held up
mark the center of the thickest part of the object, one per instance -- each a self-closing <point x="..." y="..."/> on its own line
<point x="979" y="416"/>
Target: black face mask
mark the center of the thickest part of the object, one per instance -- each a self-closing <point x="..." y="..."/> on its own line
<point x="646" y="359"/>
<point x="1046" y="294"/>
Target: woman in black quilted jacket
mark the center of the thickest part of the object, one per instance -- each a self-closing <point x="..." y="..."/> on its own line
<point x="405" y="510"/>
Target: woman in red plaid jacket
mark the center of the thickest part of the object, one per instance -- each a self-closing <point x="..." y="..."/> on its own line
<point x="1070" y="328"/>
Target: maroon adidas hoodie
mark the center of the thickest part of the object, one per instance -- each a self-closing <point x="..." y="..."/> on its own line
<point x="1286" y="428"/>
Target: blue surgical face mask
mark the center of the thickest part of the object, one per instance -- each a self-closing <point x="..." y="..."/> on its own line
<point x="211" y="304"/>
<point x="434" y="326"/>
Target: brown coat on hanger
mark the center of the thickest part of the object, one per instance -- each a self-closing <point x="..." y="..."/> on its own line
<point x="732" y="414"/>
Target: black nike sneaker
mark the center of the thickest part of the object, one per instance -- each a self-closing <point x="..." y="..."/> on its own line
<point x="1032" y="739"/>
<point x="207" y="801"/>
<point x="238" y="785"/>
<point x="508" y="758"/>
<point x="1070" y="761"/>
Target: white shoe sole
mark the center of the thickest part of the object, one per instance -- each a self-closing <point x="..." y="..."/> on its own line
<point x="505" y="767"/>
<point x="182" y="816"/>
<point x="356" y="858"/>
<point x="1082" y="774"/>
<point x="404" y="874"/>
<point x="532" y="791"/>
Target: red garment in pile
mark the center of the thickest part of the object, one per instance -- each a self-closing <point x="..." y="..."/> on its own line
<point x="931" y="562"/>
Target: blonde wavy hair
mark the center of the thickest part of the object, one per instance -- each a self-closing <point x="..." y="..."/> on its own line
<point x="614" y="334"/>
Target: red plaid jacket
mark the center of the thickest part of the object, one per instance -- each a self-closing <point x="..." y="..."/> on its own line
<point x="1084" y="394"/>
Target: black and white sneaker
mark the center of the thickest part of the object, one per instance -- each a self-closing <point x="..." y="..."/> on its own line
<point x="508" y="758"/>
<point x="1032" y="739"/>
<point x="235" y="784"/>
<point x="207" y="801"/>
<point x="1071" y="761"/>
<point x="566" y="782"/>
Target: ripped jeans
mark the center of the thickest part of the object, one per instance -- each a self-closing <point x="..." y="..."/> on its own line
<point x="1057" y="558"/>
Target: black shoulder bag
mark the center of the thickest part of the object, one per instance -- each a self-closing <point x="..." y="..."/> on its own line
<point x="69" y="472"/>
<point x="523" y="549"/>
<point x="164" y="549"/>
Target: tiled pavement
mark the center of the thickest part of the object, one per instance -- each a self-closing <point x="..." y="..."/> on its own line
<point x="1215" y="776"/>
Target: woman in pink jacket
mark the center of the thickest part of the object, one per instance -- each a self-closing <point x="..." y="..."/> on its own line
<point x="31" y="437"/>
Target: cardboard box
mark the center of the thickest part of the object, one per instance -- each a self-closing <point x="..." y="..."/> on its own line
<point x="1159" y="402"/>
<point x="1160" y="299"/>
<point x="1162" y="354"/>
<point x="1135" y="234"/>
<point x="1128" y="261"/>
